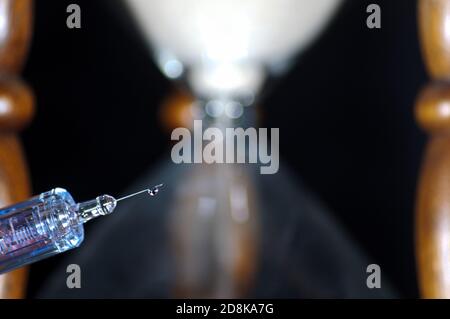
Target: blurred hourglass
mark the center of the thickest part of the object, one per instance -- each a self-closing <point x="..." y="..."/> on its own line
<point x="223" y="50"/>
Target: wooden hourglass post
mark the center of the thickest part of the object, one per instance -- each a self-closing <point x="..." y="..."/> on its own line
<point x="433" y="115"/>
<point x="16" y="110"/>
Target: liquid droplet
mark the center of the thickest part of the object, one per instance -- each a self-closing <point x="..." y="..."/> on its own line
<point x="154" y="190"/>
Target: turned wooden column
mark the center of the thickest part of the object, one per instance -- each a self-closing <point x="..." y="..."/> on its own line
<point x="16" y="110"/>
<point x="433" y="115"/>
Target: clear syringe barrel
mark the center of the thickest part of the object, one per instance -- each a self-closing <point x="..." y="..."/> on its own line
<point x="40" y="227"/>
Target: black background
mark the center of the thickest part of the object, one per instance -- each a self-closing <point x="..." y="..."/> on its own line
<point x="345" y="113"/>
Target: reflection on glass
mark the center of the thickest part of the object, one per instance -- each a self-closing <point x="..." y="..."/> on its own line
<point x="214" y="231"/>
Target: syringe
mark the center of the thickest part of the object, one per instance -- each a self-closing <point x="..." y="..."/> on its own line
<point x="49" y="224"/>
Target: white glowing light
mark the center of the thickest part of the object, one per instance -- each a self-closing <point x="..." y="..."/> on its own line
<point x="227" y="45"/>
